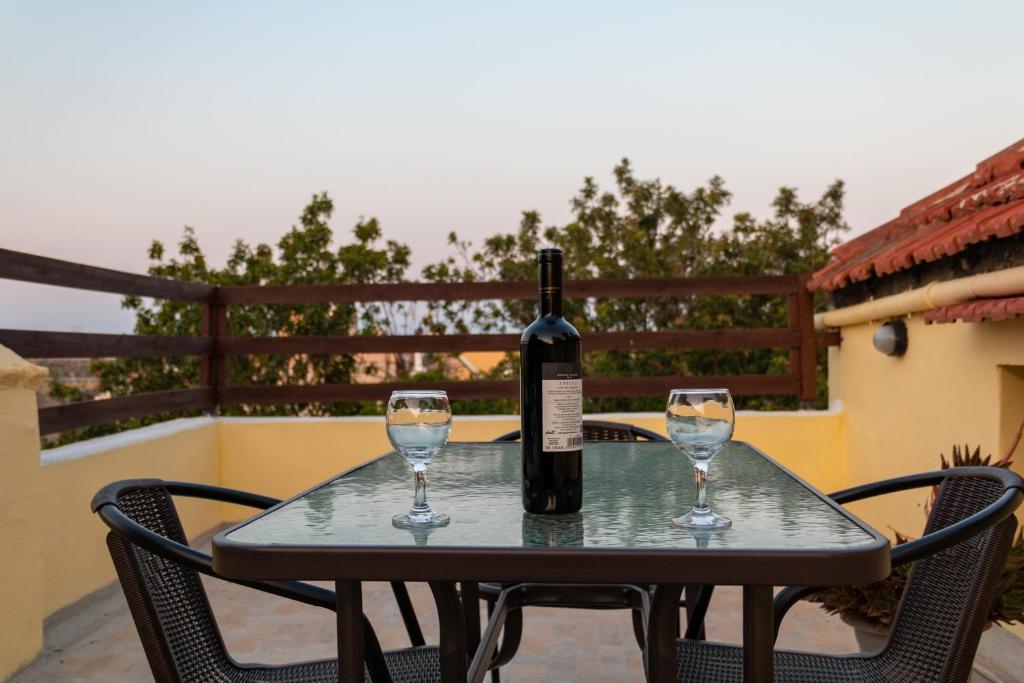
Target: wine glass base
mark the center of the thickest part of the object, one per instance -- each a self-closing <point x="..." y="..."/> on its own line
<point x="701" y="520"/>
<point x="428" y="521"/>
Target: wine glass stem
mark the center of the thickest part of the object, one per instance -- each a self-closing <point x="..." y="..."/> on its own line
<point x="700" y="472"/>
<point x="419" y="504"/>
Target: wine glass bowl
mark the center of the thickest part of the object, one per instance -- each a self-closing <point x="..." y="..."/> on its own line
<point x="700" y="423"/>
<point x="418" y="426"/>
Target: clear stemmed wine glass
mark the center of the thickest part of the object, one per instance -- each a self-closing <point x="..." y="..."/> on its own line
<point x="700" y="423"/>
<point x="419" y="423"/>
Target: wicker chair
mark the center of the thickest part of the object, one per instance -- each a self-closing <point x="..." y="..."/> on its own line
<point x="610" y="596"/>
<point x="944" y="607"/>
<point x="159" y="574"/>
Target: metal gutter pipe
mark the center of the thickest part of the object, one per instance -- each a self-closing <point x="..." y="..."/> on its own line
<point x="1008" y="282"/>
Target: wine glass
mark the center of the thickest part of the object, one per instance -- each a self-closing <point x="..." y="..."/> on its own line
<point x="700" y="423"/>
<point x="419" y="423"/>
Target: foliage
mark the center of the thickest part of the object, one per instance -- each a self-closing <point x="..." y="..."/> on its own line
<point x="877" y="602"/>
<point x="645" y="228"/>
<point x="306" y="254"/>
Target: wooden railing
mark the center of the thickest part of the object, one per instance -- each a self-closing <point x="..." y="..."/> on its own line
<point x="215" y="344"/>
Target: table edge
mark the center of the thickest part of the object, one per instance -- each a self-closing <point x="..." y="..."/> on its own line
<point x="807" y="566"/>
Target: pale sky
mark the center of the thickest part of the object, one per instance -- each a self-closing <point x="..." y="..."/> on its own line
<point x="124" y="121"/>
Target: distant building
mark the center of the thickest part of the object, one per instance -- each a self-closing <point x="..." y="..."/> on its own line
<point x="74" y="372"/>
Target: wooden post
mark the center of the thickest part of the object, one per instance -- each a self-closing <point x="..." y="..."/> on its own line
<point x="213" y="368"/>
<point x="793" y="308"/>
<point x="808" y="347"/>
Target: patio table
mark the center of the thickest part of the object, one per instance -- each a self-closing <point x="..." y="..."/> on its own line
<point x="784" y="532"/>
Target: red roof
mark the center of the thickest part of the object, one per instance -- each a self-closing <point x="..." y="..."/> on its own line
<point x="986" y="204"/>
<point x="978" y="310"/>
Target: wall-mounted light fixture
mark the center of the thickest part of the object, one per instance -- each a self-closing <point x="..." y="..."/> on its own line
<point x="891" y="338"/>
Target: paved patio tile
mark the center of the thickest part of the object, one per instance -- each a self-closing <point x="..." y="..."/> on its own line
<point x="95" y="640"/>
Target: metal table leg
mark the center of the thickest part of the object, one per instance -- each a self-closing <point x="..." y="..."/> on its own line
<point x="758" y="634"/>
<point x="471" y="610"/>
<point x="661" y="634"/>
<point x="350" y="631"/>
<point x="453" y="632"/>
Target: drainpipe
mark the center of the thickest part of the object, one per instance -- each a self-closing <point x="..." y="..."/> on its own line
<point x="1008" y="282"/>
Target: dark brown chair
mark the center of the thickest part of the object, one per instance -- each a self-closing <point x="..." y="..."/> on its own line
<point x="159" y="573"/>
<point x="944" y="608"/>
<point x="610" y="596"/>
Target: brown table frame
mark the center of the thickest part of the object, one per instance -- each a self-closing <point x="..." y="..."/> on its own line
<point x="441" y="567"/>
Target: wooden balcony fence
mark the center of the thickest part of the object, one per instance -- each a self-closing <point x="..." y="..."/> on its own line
<point x="214" y="345"/>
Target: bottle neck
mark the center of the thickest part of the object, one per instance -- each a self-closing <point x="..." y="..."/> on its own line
<point x="551" y="303"/>
<point x="551" y="288"/>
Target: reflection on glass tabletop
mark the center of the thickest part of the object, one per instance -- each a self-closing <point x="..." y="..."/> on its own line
<point x="631" y="493"/>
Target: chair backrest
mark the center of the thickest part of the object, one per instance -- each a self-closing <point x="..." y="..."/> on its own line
<point x="948" y="595"/>
<point x="599" y="430"/>
<point x="167" y="601"/>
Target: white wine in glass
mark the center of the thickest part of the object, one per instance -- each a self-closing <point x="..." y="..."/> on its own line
<point x="700" y="423"/>
<point x="419" y="423"/>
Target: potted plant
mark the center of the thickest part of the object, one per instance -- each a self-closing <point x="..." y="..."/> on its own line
<point x="870" y="609"/>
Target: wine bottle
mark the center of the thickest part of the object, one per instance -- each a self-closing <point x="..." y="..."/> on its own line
<point x="551" y="400"/>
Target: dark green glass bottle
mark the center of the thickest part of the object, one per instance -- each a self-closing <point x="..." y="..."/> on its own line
<point x="551" y="400"/>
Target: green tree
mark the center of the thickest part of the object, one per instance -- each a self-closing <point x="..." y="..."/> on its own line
<point x="641" y="228"/>
<point x="645" y="228"/>
<point x="306" y="254"/>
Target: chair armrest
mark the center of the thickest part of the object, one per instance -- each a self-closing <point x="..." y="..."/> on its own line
<point x="648" y="434"/>
<point x="511" y="436"/>
<point x="878" y="488"/>
<point x="105" y="505"/>
<point x="930" y="544"/>
<point x="947" y="537"/>
<point x="108" y="494"/>
<point x="220" y="493"/>
<point x="188" y="556"/>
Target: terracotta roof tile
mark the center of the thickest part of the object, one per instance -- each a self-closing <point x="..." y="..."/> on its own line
<point x="986" y="204"/>
<point x="977" y="310"/>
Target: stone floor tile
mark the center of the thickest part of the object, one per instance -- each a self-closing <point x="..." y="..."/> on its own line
<point x="95" y="641"/>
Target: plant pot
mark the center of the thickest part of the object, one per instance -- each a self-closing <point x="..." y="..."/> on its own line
<point x="871" y="637"/>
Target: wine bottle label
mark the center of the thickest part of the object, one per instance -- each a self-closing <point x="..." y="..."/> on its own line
<point x="562" y="401"/>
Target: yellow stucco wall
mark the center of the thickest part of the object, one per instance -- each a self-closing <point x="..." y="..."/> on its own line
<point x="810" y="443"/>
<point x="75" y="552"/>
<point x="957" y="383"/>
<point x="280" y="457"/>
<point x="21" y="557"/>
<point x="62" y="557"/>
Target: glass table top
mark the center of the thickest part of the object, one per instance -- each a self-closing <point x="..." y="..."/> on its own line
<point x="631" y="492"/>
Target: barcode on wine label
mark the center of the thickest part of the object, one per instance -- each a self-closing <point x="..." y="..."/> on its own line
<point x="574" y="441"/>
